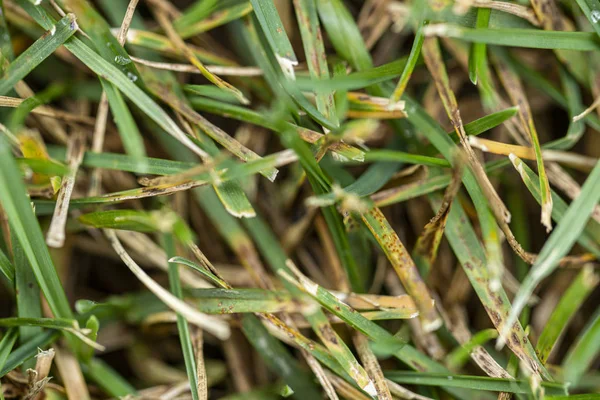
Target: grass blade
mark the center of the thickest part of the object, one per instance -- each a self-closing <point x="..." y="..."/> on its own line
<point x="582" y="286"/>
<point x="182" y="325"/>
<point x="28" y="232"/>
<point x="410" y="64"/>
<point x="583" y="352"/>
<point x="528" y="38"/>
<point x="38" y="52"/>
<point x="559" y="243"/>
<point x="516" y="93"/>
<point x="591" y="9"/>
<point x="215" y="326"/>
<point x="273" y="29"/>
<point x="474" y="382"/>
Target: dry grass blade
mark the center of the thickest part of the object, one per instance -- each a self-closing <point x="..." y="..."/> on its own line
<point x="433" y="60"/>
<point x="425" y="250"/>
<point x="69" y="369"/>
<point x="345" y="389"/>
<point x="215" y="69"/>
<point x="372" y="366"/>
<point x="121" y="37"/>
<point x="198" y="345"/>
<point x="472" y="257"/>
<point x="321" y="374"/>
<point x="56" y="232"/>
<point x="340" y="351"/>
<point x="587" y="111"/>
<point x="571" y="159"/>
<point x="216" y="326"/>
<point x="511" y="8"/>
<point x="460" y="330"/>
<point x="47" y="111"/>
<point x="404" y="266"/>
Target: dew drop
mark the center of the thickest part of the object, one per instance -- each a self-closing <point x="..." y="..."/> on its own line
<point x="132" y="77"/>
<point x="121" y="60"/>
<point x="595" y="16"/>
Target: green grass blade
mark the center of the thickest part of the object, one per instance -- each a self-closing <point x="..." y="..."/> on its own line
<point x="107" y="379"/>
<point x="27" y="230"/>
<point x="234" y="199"/>
<point x="591" y="9"/>
<point x="203" y="271"/>
<point x="27" y="351"/>
<point x="197" y="11"/>
<point x="559" y="243"/>
<point x="6" y="48"/>
<point x="274" y="31"/>
<point x="458" y="357"/>
<point x="7" y="269"/>
<point x="590" y="237"/>
<point x="335" y="15"/>
<point x="582" y="286"/>
<point x="528" y="38"/>
<point x="406" y="158"/>
<point x="415" y="51"/>
<point x="473" y="382"/>
<point x="119" y="162"/>
<point x="471" y="255"/>
<point x="38" y="52"/>
<point x="477" y="54"/>
<point x="128" y="130"/>
<point x="278" y="359"/>
<point x="6" y="344"/>
<point x="261" y="119"/>
<point x="182" y="325"/>
<point x="188" y="25"/>
<point x="583" y="352"/>
<point x="112" y="74"/>
<point x="314" y="48"/>
<point x="27" y="290"/>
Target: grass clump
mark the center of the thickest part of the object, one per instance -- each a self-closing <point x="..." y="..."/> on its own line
<point x="309" y="198"/>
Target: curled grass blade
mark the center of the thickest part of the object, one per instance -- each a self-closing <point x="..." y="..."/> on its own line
<point x="213" y="325"/>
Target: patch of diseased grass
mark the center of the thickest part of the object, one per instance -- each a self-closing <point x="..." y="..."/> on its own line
<point x="264" y="198"/>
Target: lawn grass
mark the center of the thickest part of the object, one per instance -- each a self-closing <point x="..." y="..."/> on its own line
<point x="261" y="199"/>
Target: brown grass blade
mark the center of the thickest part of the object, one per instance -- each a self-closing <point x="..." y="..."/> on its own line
<point x="433" y="60"/>
<point x="75" y="151"/>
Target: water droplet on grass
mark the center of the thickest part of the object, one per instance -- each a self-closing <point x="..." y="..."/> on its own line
<point x="121" y="60"/>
